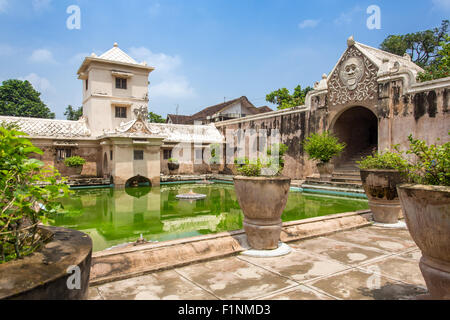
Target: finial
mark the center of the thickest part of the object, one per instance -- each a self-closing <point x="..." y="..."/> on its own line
<point x="115" y="44"/>
<point x="351" y="41"/>
<point x="324" y="76"/>
<point x="93" y="55"/>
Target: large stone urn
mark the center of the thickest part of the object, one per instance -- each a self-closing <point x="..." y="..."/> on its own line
<point x="325" y="170"/>
<point x="427" y="215"/>
<point x="60" y="270"/>
<point x="74" y="171"/>
<point x="263" y="200"/>
<point x="380" y="186"/>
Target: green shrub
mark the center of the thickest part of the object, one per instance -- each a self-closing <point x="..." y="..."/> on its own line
<point x="273" y="159"/>
<point x="251" y="169"/>
<point x="29" y="194"/>
<point x="431" y="165"/>
<point x="386" y="160"/>
<point x="323" y="147"/>
<point x="173" y="160"/>
<point x="75" y="161"/>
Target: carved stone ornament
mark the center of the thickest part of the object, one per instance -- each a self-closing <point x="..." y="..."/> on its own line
<point x="139" y="127"/>
<point x="353" y="80"/>
<point x="141" y="113"/>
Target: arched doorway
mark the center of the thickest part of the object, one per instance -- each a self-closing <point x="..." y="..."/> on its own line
<point x="358" y="128"/>
<point x="138" y="181"/>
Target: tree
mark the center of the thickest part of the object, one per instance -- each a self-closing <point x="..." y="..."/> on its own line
<point x="422" y="46"/>
<point x="30" y="194"/>
<point x="19" y="99"/>
<point x="73" y="114"/>
<point x="441" y="67"/>
<point x="285" y="100"/>
<point x="155" y="118"/>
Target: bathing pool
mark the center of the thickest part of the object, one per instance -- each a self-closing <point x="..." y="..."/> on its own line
<point x="117" y="216"/>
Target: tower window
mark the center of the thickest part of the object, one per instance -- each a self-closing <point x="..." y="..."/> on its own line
<point x="167" y="154"/>
<point x="121" y="112"/>
<point x="62" y="154"/>
<point x="87" y="84"/>
<point x="121" y="83"/>
<point x="138" y="154"/>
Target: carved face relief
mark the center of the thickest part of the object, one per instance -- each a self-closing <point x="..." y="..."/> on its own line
<point x="139" y="126"/>
<point x="351" y="72"/>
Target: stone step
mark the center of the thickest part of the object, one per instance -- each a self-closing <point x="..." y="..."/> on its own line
<point x="346" y="180"/>
<point x="331" y="184"/>
<point x="346" y="174"/>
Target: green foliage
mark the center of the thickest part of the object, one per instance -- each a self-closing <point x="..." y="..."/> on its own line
<point x="323" y="147"/>
<point x="251" y="169"/>
<point x="173" y="160"/>
<point x="75" y="161"/>
<point x="29" y="195"/>
<point x="385" y="160"/>
<point x="215" y="153"/>
<point x="274" y="161"/>
<point x="422" y="46"/>
<point x="431" y="165"/>
<point x="440" y="68"/>
<point x="285" y="100"/>
<point x="73" y="114"/>
<point x="155" y="118"/>
<point x="19" y="99"/>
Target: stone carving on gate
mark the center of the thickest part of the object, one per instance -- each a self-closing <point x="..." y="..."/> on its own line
<point x="353" y="80"/>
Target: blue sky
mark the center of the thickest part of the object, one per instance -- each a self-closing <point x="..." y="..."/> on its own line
<point x="204" y="51"/>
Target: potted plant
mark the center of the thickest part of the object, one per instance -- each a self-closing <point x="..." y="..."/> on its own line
<point x="380" y="175"/>
<point x="214" y="161"/>
<point x="262" y="198"/>
<point x="323" y="147"/>
<point x="74" y="165"/>
<point x="425" y="201"/>
<point x="32" y="265"/>
<point x="239" y="163"/>
<point x="173" y="164"/>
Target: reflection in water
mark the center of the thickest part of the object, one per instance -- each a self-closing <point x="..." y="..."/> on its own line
<point x="116" y="216"/>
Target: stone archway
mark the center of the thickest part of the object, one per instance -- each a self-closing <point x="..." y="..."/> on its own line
<point x="358" y="128"/>
<point x="138" y="181"/>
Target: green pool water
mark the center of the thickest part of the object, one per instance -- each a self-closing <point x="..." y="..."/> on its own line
<point x="114" y="216"/>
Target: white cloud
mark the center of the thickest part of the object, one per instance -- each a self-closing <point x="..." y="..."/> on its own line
<point x="39" y="83"/>
<point x="41" y="5"/>
<point x="3" y="5"/>
<point x="309" y="23"/>
<point x="42" y="56"/>
<point x="175" y="88"/>
<point x="347" y="17"/>
<point x="168" y="82"/>
<point x="442" y="4"/>
<point x="162" y="62"/>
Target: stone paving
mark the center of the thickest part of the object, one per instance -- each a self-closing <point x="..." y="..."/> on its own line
<point x="368" y="263"/>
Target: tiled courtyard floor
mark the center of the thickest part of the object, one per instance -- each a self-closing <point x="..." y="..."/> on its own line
<point x="369" y="263"/>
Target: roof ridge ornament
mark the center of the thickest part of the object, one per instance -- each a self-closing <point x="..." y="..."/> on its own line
<point x="351" y="41"/>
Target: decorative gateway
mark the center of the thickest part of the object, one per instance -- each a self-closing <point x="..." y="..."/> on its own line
<point x="353" y="80"/>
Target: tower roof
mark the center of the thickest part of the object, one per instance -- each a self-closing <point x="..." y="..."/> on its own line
<point x="116" y="54"/>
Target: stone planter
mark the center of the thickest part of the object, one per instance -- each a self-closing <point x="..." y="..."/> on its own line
<point x="173" y="166"/>
<point x="74" y="171"/>
<point x="325" y="170"/>
<point x="263" y="200"/>
<point x="47" y="273"/>
<point x="381" y="190"/>
<point x="427" y="215"/>
<point x="215" y="167"/>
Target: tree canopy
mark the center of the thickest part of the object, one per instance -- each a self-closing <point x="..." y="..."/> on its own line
<point x="155" y="118"/>
<point x="284" y="100"/>
<point x="422" y="46"/>
<point x="19" y="99"/>
<point x="441" y="66"/>
<point x="73" y="113"/>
